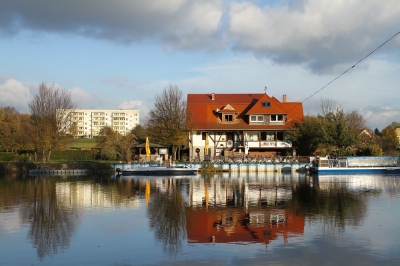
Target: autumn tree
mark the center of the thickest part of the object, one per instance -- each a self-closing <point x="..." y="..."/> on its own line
<point x="140" y="132"/>
<point x="395" y="124"/>
<point x="50" y="115"/>
<point x="168" y="123"/>
<point x="389" y="140"/>
<point x="113" y="143"/>
<point x="10" y="129"/>
<point x="25" y="137"/>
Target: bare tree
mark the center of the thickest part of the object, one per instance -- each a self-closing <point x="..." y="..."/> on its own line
<point x="168" y="123"/>
<point x="50" y="110"/>
<point x="326" y="106"/>
<point x="355" y="121"/>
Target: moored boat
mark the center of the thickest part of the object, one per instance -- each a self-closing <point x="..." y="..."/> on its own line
<point x="157" y="170"/>
<point x="356" y="165"/>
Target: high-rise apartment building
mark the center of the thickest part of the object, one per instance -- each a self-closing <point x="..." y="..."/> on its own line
<point x="88" y="122"/>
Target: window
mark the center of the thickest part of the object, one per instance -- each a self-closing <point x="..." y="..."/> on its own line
<point x="276" y="118"/>
<point x="256" y="119"/>
<point x="228" y="118"/>
<point x="266" y="104"/>
<point x="203" y="135"/>
<point x="252" y="136"/>
<point x="269" y="136"/>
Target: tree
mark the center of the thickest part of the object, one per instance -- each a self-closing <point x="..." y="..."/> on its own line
<point x="372" y="150"/>
<point x="140" y="132"/>
<point x="336" y="131"/>
<point x="395" y="124"/>
<point x="377" y="132"/>
<point x="10" y="129"/>
<point x="355" y="121"/>
<point x="113" y="143"/>
<point x="168" y="121"/>
<point x="306" y="135"/>
<point x="50" y="110"/>
<point x="389" y="139"/>
<point x="326" y="106"/>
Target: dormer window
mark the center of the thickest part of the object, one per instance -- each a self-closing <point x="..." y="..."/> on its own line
<point x="228" y="118"/>
<point x="266" y="104"/>
<point x="256" y="119"/>
<point x="276" y="118"/>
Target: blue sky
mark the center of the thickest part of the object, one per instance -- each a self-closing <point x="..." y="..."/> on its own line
<point x="121" y="53"/>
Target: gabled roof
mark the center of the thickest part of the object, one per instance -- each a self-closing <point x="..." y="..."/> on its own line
<point x="228" y="109"/>
<point x="205" y="110"/>
<point x="365" y="132"/>
<point x="275" y="108"/>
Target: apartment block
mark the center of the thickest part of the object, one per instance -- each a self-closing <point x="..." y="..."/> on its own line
<point x="88" y="122"/>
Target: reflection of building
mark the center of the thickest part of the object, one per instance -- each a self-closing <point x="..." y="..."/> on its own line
<point x="228" y="225"/>
<point x="241" y="210"/>
<point x="91" y="195"/>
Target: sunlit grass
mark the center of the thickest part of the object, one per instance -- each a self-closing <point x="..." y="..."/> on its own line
<point x="83" y="143"/>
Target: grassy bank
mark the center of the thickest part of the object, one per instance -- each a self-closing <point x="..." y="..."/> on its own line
<point x="82" y="144"/>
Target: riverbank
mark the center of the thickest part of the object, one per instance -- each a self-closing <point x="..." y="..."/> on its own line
<point x="23" y="168"/>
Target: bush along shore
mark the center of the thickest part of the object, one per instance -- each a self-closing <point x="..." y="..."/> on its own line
<point x="22" y="168"/>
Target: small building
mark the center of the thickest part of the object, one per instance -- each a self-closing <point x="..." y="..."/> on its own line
<point x="241" y="124"/>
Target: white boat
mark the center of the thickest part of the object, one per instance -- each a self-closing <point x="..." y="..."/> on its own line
<point x="356" y="165"/>
<point x="157" y="170"/>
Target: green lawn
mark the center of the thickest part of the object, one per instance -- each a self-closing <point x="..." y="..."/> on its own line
<point x="83" y="143"/>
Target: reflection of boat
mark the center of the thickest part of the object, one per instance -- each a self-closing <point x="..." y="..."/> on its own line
<point x="356" y="165"/>
<point x="158" y="170"/>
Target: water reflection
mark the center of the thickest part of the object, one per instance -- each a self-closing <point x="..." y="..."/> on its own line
<point x="198" y="210"/>
<point x="50" y="225"/>
<point x="166" y="212"/>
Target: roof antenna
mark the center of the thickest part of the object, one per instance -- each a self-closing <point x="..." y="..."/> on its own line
<point x="265" y="89"/>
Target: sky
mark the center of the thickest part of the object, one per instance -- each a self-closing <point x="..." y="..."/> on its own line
<point x="120" y="54"/>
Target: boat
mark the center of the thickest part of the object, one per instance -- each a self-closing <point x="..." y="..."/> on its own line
<point x="158" y="170"/>
<point x="355" y="165"/>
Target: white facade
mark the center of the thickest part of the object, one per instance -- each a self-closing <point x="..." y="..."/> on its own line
<point x="89" y="122"/>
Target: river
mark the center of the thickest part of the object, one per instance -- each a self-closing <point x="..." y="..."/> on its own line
<point x="251" y="219"/>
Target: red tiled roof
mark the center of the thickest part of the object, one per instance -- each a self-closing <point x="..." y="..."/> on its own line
<point x="204" y="111"/>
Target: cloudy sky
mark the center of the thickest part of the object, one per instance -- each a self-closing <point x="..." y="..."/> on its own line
<point x="114" y="54"/>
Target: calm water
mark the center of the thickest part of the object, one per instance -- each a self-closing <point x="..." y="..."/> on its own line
<point x="270" y="219"/>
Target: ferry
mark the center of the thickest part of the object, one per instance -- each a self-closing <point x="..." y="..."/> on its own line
<point x="355" y="165"/>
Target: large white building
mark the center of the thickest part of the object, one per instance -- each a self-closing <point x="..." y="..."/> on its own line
<point x="88" y="122"/>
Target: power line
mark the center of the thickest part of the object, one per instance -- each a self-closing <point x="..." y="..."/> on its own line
<point x="351" y="67"/>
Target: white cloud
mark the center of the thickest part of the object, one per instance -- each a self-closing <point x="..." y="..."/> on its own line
<point x="15" y="94"/>
<point x="136" y="105"/>
<point x="130" y="104"/>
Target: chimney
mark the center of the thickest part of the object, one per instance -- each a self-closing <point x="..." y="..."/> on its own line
<point x="284" y="98"/>
<point x="213" y="96"/>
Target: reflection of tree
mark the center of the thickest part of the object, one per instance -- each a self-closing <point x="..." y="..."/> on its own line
<point x="50" y="226"/>
<point x="167" y="217"/>
<point x="336" y="206"/>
